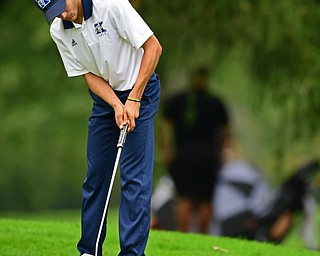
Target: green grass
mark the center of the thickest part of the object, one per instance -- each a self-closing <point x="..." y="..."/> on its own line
<point x="51" y="235"/>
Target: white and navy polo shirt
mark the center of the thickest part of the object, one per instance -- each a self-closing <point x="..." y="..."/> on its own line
<point x="107" y="43"/>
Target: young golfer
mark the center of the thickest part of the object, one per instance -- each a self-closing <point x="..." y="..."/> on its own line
<point x="109" y="44"/>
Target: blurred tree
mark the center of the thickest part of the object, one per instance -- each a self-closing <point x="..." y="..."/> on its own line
<point x="277" y="42"/>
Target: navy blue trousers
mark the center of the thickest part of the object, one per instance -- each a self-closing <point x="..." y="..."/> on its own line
<point x="136" y="171"/>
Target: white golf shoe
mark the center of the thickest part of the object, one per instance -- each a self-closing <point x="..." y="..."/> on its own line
<point x="86" y="254"/>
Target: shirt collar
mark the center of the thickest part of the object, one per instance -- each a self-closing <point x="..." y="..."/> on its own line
<point x="87" y="10"/>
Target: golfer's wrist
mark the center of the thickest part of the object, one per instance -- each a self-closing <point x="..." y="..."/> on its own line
<point x="134" y="99"/>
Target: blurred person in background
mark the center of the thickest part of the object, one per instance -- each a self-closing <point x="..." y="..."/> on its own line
<point x="199" y="125"/>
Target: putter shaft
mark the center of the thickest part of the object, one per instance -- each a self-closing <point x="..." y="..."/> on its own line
<point x="120" y="144"/>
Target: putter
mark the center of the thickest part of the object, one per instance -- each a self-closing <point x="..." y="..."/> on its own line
<point x="120" y="144"/>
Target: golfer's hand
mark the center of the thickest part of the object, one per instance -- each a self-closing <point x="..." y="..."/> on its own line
<point x="131" y="113"/>
<point x="119" y="115"/>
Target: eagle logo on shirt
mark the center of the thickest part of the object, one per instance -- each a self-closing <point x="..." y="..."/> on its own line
<point x="99" y="29"/>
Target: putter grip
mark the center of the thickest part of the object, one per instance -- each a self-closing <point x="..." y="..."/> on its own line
<point x="122" y="137"/>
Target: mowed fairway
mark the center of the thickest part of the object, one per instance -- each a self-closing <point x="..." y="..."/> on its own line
<point x="30" y="237"/>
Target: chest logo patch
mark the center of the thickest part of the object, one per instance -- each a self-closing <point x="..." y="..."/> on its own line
<point x="99" y="29"/>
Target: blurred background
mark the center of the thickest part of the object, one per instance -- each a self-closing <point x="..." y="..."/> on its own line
<point x="264" y="61"/>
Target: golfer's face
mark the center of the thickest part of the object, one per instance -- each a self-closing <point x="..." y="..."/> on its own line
<point x="71" y="12"/>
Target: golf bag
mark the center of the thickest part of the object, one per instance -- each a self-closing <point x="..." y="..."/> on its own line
<point x="244" y="205"/>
